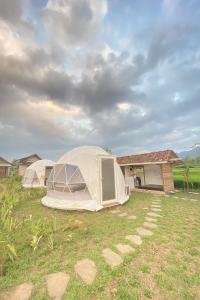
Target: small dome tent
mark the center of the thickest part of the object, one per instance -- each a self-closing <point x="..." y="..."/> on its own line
<point x="36" y="174"/>
<point x="87" y="178"/>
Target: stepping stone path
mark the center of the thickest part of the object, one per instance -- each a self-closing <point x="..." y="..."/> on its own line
<point x="123" y="215"/>
<point x="113" y="259"/>
<point x="155" y="205"/>
<point x="151" y="219"/>
<point x="152" y="214"/>
<point x="144" y="232"/>
<point x="20" y="292"/>
<point x="124" y="249"/>
<point x="145" y="207"/>
<point x="136" y="239"/>
<point x="86" y="269"/>
<point x="57" y="284"/>
<point x="156" y="209"/>
<point x="150" y="225"/>
<point x="132" y="217"/>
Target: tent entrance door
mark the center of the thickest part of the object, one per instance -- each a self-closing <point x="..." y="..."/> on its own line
<point x="108" y="179"/>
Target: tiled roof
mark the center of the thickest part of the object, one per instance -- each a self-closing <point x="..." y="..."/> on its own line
<point x="26" y="159"/>
<point x="160" y="156"/>
<point x="3" y="161"/>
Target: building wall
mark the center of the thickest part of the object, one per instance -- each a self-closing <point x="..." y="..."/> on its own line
<point x="153" y="174"/>
<point x="22" y="167"/>
<point x="168" y="182"/>
<point x="3" y="171"/>
<point x="128" y="174"/>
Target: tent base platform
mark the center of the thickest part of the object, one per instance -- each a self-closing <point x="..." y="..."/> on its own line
<point x="30" y="186"/>
<point x="75" y="204"/>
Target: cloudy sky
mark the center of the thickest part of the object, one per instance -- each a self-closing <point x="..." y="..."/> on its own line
<point x="118" y="74"/>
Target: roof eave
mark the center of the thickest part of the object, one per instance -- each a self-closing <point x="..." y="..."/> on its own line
<point x="144" y="163"/>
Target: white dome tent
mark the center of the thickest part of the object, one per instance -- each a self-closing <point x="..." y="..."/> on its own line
<point x="87" y="178"/>
<point x="37" y="173"/>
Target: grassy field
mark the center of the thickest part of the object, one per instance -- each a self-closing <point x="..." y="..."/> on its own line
<point x="194" y="178"/>
<point x="165" y="266"/>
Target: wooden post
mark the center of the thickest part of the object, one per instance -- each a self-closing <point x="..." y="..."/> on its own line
<point x="168" y="182"/>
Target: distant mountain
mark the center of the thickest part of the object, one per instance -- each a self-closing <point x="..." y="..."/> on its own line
<point x="192" y="153"/>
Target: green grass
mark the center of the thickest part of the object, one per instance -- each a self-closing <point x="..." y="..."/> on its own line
<point x="194" y="178"/>
<point x="165" y="266"/>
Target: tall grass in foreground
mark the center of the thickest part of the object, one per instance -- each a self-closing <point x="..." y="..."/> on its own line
<point x="37" y="232"/>
<point x="11" y="194"/>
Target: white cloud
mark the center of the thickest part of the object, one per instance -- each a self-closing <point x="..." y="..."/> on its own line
<point x="124" y="106"/>
<point x="10" y="42"/>
<point x="73" y="23"/>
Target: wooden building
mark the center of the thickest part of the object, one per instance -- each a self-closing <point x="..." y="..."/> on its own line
<point x="4" y="167"/>
<point x="23" y="163"/>
<point x="150" y="170"/>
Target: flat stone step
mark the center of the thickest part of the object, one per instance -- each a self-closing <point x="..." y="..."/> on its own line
<point x="155" y="206"/>
<point x="123" y="214"/>
<point x="132" y="217"/>
<point x="57" y="284"/>
<point x="113" y="259"/>
<point x="152" y="214"/>
<point x="135" y="239"/>
<point x="151" y="219"/>
<point x="150" y="225"/>
<point x="116" y="211"/>
<point x="156" y="209"/>
<point x="145" y="207"/>
<point x="144" y="232"/>
<point x="20" y="292"/>
<point x="124" y="249"/>
<point x="86" y="269"/>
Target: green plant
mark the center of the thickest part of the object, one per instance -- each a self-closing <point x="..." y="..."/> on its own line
<point x="148" y="293"/>
<point x="186" y="178"/>
<point x="8" y="252"/>
<point x="41" y="229"/>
